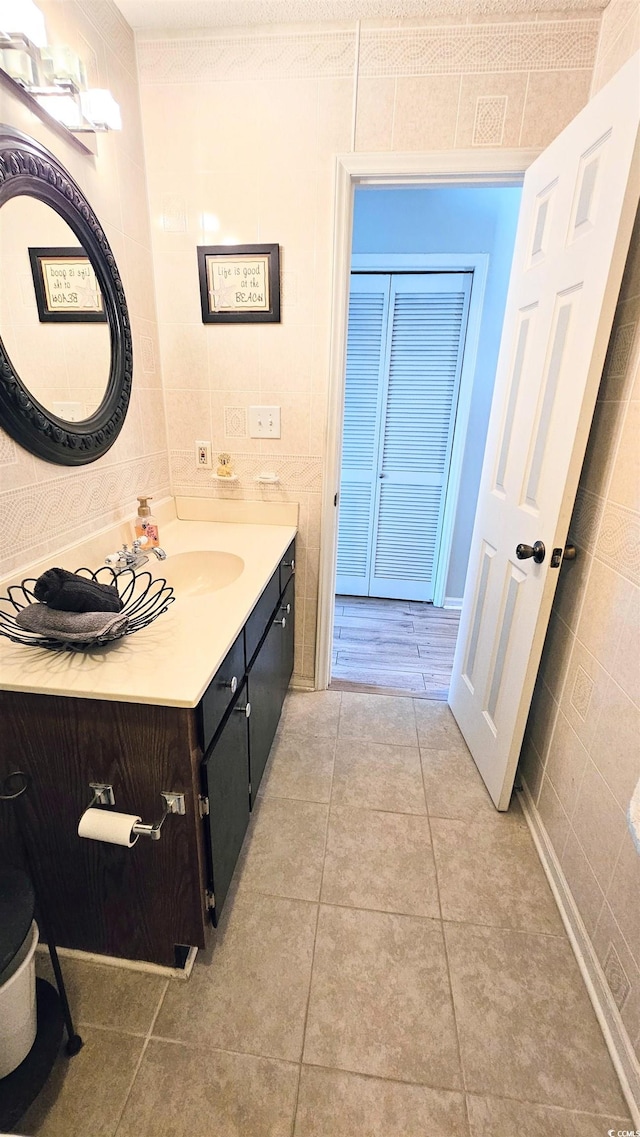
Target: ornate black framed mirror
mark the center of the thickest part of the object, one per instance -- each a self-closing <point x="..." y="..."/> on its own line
<point x="68" y="412"/>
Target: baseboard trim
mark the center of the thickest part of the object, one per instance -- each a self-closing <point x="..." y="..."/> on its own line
<point x="301" y="683"/>
<point x="453" y="602"/>
<point x="615" y="1034"/>
<point x="128" y="964"/>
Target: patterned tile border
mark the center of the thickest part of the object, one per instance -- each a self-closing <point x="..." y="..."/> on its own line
<point x="545" y="46"/>
<point x="585" y="519"/>
<point x="618" y="542"/>
<point x="296" y="474"/>
<point x="76" y="504"/>
<point x="294" y="56"/>
<point x="112" y="26"/>
<point x="8" y="453"/>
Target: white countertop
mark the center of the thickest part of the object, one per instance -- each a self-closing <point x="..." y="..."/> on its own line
<point x="172" y="661"/>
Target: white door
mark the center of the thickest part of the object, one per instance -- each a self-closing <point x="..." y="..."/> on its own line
<point x="400" y="409"/>
<point x="577" y="211"/>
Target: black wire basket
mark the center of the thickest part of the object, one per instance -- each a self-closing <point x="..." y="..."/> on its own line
<point x="143" y="600"/>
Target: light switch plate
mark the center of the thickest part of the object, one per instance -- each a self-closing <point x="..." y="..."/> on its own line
<point x="264" y="422"/>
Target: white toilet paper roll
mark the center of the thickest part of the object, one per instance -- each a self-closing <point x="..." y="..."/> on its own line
<point x="107" y="825"/>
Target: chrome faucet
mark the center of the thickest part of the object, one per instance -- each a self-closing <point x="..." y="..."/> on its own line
<point x="133" y="558"/>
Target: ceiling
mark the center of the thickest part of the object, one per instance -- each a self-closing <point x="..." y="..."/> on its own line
<point x="183" y="15"/>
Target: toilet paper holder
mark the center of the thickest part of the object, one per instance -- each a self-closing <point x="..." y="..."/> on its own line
<point x="102" y="794"/>
<point x="173" y="803"/>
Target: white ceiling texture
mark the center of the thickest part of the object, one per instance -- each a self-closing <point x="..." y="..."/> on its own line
<point x="184" y="15"/>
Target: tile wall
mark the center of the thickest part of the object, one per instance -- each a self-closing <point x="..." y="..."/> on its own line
<point x="241" y="131"/>
<point x="43" y="506"/>
<point x="581" y="758"/>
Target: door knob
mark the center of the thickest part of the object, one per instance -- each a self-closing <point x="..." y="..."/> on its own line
<point x="537" y="551"/>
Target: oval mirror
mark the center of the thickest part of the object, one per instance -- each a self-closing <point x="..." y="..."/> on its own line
<point x="52" y="320"/>
<point x="65" y="339"/>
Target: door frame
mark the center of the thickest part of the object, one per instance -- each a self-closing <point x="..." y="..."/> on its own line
<point x="478" y="265"/>
<point x="433" y="168"/>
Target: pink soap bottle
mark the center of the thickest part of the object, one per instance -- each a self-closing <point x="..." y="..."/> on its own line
<point x="145" y="524"/>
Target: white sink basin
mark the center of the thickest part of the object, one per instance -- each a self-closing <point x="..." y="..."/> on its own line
<point x="197" y="573"/>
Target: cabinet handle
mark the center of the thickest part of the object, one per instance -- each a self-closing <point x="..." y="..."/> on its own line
<point x="285" y="608"/>
<point x="232" y="684"/>
<point x="246" y="710"/>
<point x="290" y="564"/>
<point x="283" y="621"/>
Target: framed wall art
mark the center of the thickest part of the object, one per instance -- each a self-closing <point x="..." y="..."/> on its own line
<point x="66" y="286"/>
<point x="239" y="284"/>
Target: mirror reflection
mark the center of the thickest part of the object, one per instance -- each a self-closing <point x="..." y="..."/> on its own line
<point x="52" y="320"/>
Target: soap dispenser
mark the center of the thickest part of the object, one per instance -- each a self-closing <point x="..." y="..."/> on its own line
<point x="146" y="525"/>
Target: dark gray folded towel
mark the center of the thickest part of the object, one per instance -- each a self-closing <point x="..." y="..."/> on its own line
<point x="67" y="592"/>
<point x="72" y="627"/>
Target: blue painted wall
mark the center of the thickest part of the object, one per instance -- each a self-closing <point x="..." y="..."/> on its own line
<point x="452" y="220"/>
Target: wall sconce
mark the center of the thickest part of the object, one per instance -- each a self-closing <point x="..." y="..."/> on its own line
<point x="53" y="76"/>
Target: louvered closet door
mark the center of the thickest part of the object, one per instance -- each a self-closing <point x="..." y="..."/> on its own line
<point x="366" y="342"/>
<point x="425" y="345"/>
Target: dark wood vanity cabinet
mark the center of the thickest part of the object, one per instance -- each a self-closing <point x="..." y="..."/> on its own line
<point x="245" y="727"/>
<point x="268" y="678"/>
<point x="144" y="902"/>
<point x="225" y="775"/>
<point x="137" y="903"/>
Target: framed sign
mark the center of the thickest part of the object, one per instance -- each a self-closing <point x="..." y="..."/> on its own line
<point x="67" y="289"/>
<point x="239" y="284"/>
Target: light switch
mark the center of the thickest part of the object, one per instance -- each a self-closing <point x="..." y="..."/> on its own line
<point x="264" y="422"/>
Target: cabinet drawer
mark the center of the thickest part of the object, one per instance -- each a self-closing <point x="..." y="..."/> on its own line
<point x="221" y="691"/>
<point x="287" y="566"/>
<point x="259" y="619"/>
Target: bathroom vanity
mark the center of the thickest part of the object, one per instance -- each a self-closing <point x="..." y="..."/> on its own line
<point x="189" y="705"/>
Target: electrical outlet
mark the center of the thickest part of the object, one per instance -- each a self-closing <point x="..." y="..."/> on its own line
<point x="264" y="422"/>
<point x="203" y="455"/>
<point x="72" y="412"/>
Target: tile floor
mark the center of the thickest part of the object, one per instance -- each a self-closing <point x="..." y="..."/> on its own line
<point x="390" y="963"/>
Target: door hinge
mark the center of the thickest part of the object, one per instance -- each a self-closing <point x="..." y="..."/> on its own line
<point x="335" y="499"/>
<point x="210" y="899"/>
<point x="203" y="805"/>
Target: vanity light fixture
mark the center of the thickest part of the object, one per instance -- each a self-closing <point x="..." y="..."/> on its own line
<point x="20" y="20"/>
<point x="61" y="101"/>
<point x="101" y="109"/>
<point x="55" y="76"/>
<point x="61" y="65"/>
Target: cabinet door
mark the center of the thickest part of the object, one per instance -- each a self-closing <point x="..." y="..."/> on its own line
<point x="265" y="695"/>
<point x="287" y="566"/>
<point x="226" y="784"/>
<point x="287" y="612"/>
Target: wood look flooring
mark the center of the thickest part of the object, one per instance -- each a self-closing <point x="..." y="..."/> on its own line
<point x="393" y="647"/>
